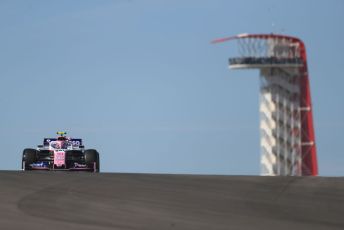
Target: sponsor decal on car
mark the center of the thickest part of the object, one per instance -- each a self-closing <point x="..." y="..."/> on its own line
<point x="77" y="165"/>
<point x="40" y="165"/>
<point x="59" y="158"/>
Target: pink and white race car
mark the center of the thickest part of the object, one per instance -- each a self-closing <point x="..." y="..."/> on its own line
<point x="61" y="153"/>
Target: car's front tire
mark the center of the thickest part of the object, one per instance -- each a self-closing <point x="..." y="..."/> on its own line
<point x="29" y="157"/>
<point x="91" y="157"/>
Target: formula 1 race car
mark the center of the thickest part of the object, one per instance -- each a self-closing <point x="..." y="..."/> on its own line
<point x="61" y="153"/>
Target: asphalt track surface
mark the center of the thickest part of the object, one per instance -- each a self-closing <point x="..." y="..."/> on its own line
<point x="64" y="200"/>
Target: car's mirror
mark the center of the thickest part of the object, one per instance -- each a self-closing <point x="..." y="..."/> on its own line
<point x="40" y="146"/>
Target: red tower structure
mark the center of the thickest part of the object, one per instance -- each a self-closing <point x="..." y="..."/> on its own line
<point x="286" y="124"/>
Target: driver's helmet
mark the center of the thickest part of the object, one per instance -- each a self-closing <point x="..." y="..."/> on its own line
<point x="62" y="138"/>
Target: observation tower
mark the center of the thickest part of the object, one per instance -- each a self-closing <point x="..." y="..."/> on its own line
<point x="286" y="121"/>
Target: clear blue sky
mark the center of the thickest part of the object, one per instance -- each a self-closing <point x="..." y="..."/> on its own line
<point x="140" y="82"/>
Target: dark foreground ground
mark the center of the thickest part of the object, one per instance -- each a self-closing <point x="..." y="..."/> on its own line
<point x="59" y="200"/>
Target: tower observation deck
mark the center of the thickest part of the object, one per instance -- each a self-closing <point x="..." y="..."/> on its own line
<point x="286" y="121"/>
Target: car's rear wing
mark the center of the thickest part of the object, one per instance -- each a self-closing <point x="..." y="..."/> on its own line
<point x="76" y="142"/>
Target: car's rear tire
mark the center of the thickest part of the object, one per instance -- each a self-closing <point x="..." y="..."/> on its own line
<point x="29" y="157"/>
<point x="91" y="157"/>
